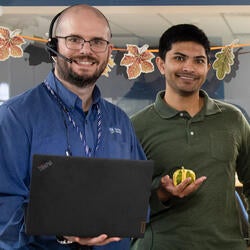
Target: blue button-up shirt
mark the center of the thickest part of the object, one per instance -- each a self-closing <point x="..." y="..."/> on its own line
<point x="34" y="123"/>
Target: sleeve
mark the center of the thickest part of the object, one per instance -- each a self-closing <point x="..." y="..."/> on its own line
<point x="243" y="162"/>
<point x="139" y="154"/>
<point x="136" y="148"/>
<point x="123" y="244"/>
<point x="14" y="180"/>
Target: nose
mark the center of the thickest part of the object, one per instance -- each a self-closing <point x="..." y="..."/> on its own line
<point x="86" y="49"/>
<point x="188" y="66"/>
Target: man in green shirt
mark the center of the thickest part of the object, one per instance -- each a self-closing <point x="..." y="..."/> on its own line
<point x="185" y="127"/>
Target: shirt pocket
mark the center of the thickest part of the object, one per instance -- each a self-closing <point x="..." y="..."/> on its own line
<point x="223" y="146"/>
<point x="114" y="147"/>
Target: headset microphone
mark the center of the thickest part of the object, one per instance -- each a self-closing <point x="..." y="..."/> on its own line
<point x="59" y="54"/>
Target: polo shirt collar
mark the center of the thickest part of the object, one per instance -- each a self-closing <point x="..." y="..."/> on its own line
<point x="165" y="111"/>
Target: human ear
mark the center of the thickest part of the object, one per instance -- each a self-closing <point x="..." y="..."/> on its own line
<point x="160" y="65"/>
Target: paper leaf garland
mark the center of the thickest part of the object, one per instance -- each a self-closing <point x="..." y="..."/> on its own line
<point x="224" y="61"/>
<point x="110" y="65"/>
<point x="137" y="61"/>
<point x="10" y="43"/>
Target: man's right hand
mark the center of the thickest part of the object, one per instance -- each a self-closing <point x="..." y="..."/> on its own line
<point x="100" y="240"/>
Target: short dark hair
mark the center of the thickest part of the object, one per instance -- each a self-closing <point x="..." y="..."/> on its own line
<point x="182" y="33"/>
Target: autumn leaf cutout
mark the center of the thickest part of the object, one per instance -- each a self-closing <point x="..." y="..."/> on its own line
<point x="224" y="61"/>
<point x="10" y="43"/>
<point x="137" y="61"/>
<point x="110" y="65"/>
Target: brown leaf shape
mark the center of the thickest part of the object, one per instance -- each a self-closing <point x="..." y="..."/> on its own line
<point x="2" y="42"/>
<point x="4" y="33"/>
<point x="4" y="53"/>
<point x="15" y="51"/>
<point x="10" y="44"/>
<point x="133" y="49"/>
<point x="147" y="67"/>
<point x="147" y="56"/>
<point x="110" y="65"/>
<point x="17" y="40"/>
<point x="127" y="60"/>
<point x="133" y="71"/>
<point x="137" y="60"/>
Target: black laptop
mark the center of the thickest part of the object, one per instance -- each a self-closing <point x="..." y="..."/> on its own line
<point x="87" y="197"/>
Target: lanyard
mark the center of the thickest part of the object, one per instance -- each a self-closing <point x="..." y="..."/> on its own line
<point x="72" y="121"/>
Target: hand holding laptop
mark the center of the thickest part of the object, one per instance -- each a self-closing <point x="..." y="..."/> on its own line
<point x="100" y="240"/>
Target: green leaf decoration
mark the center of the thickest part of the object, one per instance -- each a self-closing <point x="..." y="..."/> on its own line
<point x="224" y="61"/>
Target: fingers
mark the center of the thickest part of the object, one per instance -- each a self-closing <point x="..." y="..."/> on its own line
<point x="163" y="192"/>
<point x="166" y="180"/>
<point x="100" y="240"/>
<point x="183" y="189"/>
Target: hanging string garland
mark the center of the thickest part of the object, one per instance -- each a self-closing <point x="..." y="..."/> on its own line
<point x="136" y="59"/>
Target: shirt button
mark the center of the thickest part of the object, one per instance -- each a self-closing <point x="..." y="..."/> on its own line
<point x="192" y="133"/>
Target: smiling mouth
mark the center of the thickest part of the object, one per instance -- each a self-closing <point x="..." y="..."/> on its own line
<point x="187" y="77"/>
<point x="84" y="62"/>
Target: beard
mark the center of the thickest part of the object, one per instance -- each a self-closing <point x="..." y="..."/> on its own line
<point x="67" y="74"/>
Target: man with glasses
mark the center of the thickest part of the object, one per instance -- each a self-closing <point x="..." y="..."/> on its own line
<point x="77" y="43"/>
<point x="64" y="115"/>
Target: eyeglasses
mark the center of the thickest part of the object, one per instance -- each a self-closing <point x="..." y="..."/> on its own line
<point x="76" y="43"/>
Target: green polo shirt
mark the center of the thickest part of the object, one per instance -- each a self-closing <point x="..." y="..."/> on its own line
<point x="214" y="143"/>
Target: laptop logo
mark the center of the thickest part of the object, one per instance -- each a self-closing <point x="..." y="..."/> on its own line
<point x="143" y="227"/>
<point x="45" y="165"/>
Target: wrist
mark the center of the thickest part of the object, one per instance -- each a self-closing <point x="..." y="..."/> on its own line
<point x="163" y="195"/>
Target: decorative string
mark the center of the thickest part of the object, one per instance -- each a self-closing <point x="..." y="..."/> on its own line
<point x="38" y="39"/>
<point x="72" y="121"/>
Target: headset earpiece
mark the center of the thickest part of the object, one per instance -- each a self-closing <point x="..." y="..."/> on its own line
<point x="52" y="45"/>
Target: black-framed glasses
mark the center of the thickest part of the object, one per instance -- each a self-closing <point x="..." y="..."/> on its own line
<point x="76" y="43"/>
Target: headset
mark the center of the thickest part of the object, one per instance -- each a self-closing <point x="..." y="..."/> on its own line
<point x="51" y="45"/>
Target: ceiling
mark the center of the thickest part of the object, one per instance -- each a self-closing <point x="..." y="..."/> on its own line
<point x="143" y="24"/>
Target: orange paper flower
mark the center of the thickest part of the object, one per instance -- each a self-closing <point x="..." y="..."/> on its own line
<point x="137" y="61"/>
<point x="110" y="65"/>
<point x="10" y="44"/>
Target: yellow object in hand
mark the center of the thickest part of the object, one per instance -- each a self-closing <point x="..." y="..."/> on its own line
<point x="181" y="174"/>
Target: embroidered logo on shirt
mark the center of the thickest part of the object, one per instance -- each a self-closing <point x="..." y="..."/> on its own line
<point x="115" y="131"/>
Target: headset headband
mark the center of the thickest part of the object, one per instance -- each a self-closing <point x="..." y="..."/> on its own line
<point x="52" y="24"/>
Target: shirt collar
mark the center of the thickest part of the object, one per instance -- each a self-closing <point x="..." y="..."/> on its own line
<point x="70" y="99"/>
<point x="165" y="111"/>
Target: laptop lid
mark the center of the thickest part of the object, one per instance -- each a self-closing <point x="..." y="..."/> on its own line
<point x="87" y="197"/>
